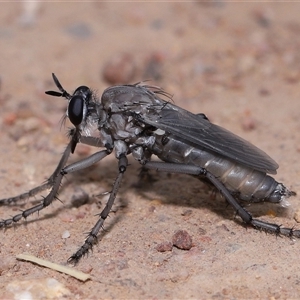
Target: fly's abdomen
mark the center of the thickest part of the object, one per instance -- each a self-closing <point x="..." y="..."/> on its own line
<point x="248" y="184"/>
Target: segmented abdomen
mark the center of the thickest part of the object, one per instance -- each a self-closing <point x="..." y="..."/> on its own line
<point x="246" y="183"/>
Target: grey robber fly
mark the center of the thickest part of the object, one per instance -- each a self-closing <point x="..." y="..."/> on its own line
<point x="135" y="119"/>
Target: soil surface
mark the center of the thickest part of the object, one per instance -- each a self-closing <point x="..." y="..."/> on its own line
<point x="238" y="63"/>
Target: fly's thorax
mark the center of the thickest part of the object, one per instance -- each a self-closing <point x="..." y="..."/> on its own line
<point x="134" y="99"/>
<point x="124" y="106"/>
<point x="123" y="127"/>
<point x="141" y="148"/>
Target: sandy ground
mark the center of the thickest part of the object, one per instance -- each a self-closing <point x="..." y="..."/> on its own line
<point x="236" y="62"/>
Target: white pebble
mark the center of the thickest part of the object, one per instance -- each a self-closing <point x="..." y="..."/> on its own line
<point x="66" y="234"/>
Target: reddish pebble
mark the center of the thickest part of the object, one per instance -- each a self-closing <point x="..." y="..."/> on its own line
<point x="119" y="69"/>
<point x="264" y="92"/>
<point x="248" y="122"/>
<point x="10" y="119"/>
<point x="164" y="246"/>
<point x="182" y="240"/>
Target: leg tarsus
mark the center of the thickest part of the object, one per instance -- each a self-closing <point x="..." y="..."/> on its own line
<point x="27" y="212"/>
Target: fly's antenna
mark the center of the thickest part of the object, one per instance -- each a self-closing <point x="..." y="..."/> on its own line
<point x="63" y="92"/>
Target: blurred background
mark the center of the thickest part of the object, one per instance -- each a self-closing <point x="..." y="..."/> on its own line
<point x="202" y="52"/>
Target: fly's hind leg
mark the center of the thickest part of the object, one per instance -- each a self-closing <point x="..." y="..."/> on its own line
<point x="245" y="215"/>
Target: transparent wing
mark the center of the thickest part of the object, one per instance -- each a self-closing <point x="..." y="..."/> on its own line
<point x="199" y="131"/>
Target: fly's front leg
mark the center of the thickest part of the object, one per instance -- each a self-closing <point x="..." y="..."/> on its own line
<point x="246" y="216"/>
<point x="92" y="235"/>
<point x="82" y="164"/>
<point x="51" y="181"/>
<point x="92" y="141"/>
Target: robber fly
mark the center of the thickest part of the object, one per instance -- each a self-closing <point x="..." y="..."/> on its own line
<point x="142" y="121"/>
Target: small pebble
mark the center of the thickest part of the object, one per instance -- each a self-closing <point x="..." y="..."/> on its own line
<point x="182" y="240"/>
<point x="119" y="69"/>
<point x="164" y="246"/>
<point x="31" y="124"/>
<point x="80" y="197"/>
<point x="10" y="119"/>
<point x="79" y="30"/>
<point x="187" y="212"/>
<point x="66" y="234"/>
<point x="23" y="142"/>
<point x="248" y="122"/>
<point x="264" y="92"/>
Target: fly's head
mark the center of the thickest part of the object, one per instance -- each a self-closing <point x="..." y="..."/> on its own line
<point x="82" y="108"/>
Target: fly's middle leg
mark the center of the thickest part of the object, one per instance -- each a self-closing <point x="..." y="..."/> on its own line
<point x="245" y="215"/>
<point x="92" y="235"/>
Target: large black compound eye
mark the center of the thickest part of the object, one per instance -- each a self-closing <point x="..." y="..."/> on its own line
<point x="83" y="90"/>
<point x="75" y="110"/>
